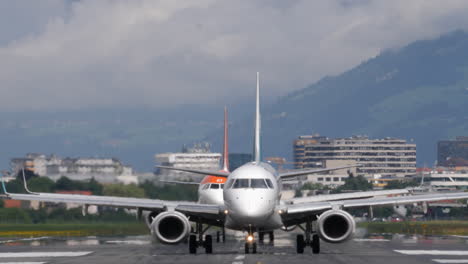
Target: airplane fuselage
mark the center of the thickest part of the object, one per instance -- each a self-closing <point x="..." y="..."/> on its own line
<point x="251" y="196"/>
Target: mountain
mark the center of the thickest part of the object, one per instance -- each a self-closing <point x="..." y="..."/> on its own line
<point x="418" y="92"/>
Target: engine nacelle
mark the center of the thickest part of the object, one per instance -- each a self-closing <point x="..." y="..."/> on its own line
<point x="170" y="227"/>
<point x="335" y="226"/>
<point x="149" y="218"/>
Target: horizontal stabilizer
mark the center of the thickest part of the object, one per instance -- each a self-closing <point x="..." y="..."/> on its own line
<point x="311" y="171"/>
<point x="211" y="173"/>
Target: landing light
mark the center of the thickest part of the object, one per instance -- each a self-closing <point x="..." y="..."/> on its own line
<point x="226" y="212"/>
<point x="250" y="238"/>
<point x="280" y="211"/>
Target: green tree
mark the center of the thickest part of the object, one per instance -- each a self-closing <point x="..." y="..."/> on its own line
<point x="121" y="190"/>
<point x="401" y="184"/>
<point x="66" y="184"/>
<point x="41" y="184"/>
<point x="358" y="183"/>
<point x="172" y="192"/>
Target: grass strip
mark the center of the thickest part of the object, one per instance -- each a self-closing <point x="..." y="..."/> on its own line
<point x="72" y="229"/>
<point x="418" y="227"/>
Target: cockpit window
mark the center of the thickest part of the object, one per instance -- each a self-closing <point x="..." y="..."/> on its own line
<point x="269" y="183"/>
<point x="251" y="183"/>
<point x="214" y="186"/>
<point x="241" y="183"/>
<point x="206" y="186"/>
<point x="258" y="184"/>
<point x="230" y="182"/>
<point x="221" y="186"/>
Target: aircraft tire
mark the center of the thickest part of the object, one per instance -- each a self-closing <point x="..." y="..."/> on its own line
<point x="272" y="236"/>
<point x="193" y="244"/>
<point x="254" y="248"/>
<point x="208" y="244"/>
<point x="315" y="244"/>
<point x="300" y="244"/>
<point x="246" y="247"/>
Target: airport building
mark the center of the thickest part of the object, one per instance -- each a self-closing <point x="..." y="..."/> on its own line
<point x="198" y="157"/>
<point x="103" y="170"/>
<point x="453" y="153"/>
<point x="383" y="157"/>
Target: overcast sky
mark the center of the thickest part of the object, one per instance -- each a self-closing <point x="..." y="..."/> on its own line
<point x="75" y="54"/>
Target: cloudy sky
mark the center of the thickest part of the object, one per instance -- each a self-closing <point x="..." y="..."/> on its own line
<point x="60" y="54"/>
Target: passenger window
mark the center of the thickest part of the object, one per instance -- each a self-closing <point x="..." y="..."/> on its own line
<point x="269" y="183"/>
<point x="241" y="183"/>
<point x="258" y="183"/>
<point x="214" y="186"/>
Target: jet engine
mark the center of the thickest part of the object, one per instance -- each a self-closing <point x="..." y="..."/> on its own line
<point x="149" y="218"/>
<point x="170" y="227"/>
<point x="335" y="226"/>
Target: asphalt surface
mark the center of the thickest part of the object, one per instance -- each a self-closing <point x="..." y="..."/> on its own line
<point x="363" y="248"/>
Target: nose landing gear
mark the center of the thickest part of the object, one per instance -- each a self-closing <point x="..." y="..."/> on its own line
<point x="250" y="243"/>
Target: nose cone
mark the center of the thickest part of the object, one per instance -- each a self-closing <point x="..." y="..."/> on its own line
<point x="250" y="208"/>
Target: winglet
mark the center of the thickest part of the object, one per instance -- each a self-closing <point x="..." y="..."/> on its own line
<point x="3" y="185"/>
<point x="26" y="184"/>
<point x="226" y="146"/>
<point x="257" y="139"/>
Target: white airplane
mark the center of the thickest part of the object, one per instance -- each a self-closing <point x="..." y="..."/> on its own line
<point x="252" y="203"/>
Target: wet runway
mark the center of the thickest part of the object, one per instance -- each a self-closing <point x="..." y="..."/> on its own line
<point x="394" y="249"/>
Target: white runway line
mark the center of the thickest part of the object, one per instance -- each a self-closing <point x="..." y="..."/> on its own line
<point x="238" y="262"/>
<point x="44" y="254"/>
<point x="450" y="260"/>
<point x="23" y="262"/>
<point x="434" y="252"/>
<point x="371" y="240"/>
<point x="129" y="242"/>
<point x="240" y="257"/>
<point x="23" y="239"/>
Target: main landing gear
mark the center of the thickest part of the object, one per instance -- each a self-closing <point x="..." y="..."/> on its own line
<point x="207" y="243"/>
<point x="261" y="236"/>
<point x="311" y="239"/>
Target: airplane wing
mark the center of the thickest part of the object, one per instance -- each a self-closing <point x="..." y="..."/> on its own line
<point x="212" y="173"/>
<point x="345" y="196"/>
<point x="180" y="182"/>
<point x="293" y="213"/>
<point x="291" y="174"/>
<point x="124" y="202"/>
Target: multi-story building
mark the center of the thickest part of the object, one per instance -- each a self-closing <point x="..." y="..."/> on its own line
<point x="103" y="170"/>
<point x="452" y="153"/>
<point x="197" y="157"/>
<point x="384" y="157"/>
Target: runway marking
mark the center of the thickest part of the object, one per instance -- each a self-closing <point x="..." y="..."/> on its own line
<point x="371" y="240"/>
<point x="238" y="262"/>
<point x="23" y="262"/>
<point x="129" y="242"/>
<point x="450" y="260"/>
<point x="240" y="257"/>
<point x="434" y="252"/>
<point x="44" y="254"/>
<point x="23" y="239"/>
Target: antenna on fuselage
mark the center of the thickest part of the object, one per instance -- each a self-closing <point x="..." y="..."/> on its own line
<point x="226" y="146"/>
<point x="257" y="139"/>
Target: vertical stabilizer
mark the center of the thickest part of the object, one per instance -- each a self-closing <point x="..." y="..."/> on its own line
<point x="226" y="146"/>
<point x="257" y="140"/>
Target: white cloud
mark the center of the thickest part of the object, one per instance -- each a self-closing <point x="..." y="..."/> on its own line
<point x="149" y="52"/>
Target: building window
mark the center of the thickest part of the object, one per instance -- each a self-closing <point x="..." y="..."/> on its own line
<point x="320" y="179"/>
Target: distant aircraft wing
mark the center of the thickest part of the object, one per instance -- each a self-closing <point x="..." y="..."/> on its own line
<point x="212" y="173"/>
<point x="345" y="196"/>
<point x="180" y="182"/>
<point x="291" y="174"/>
<point x="296" y="212"/>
